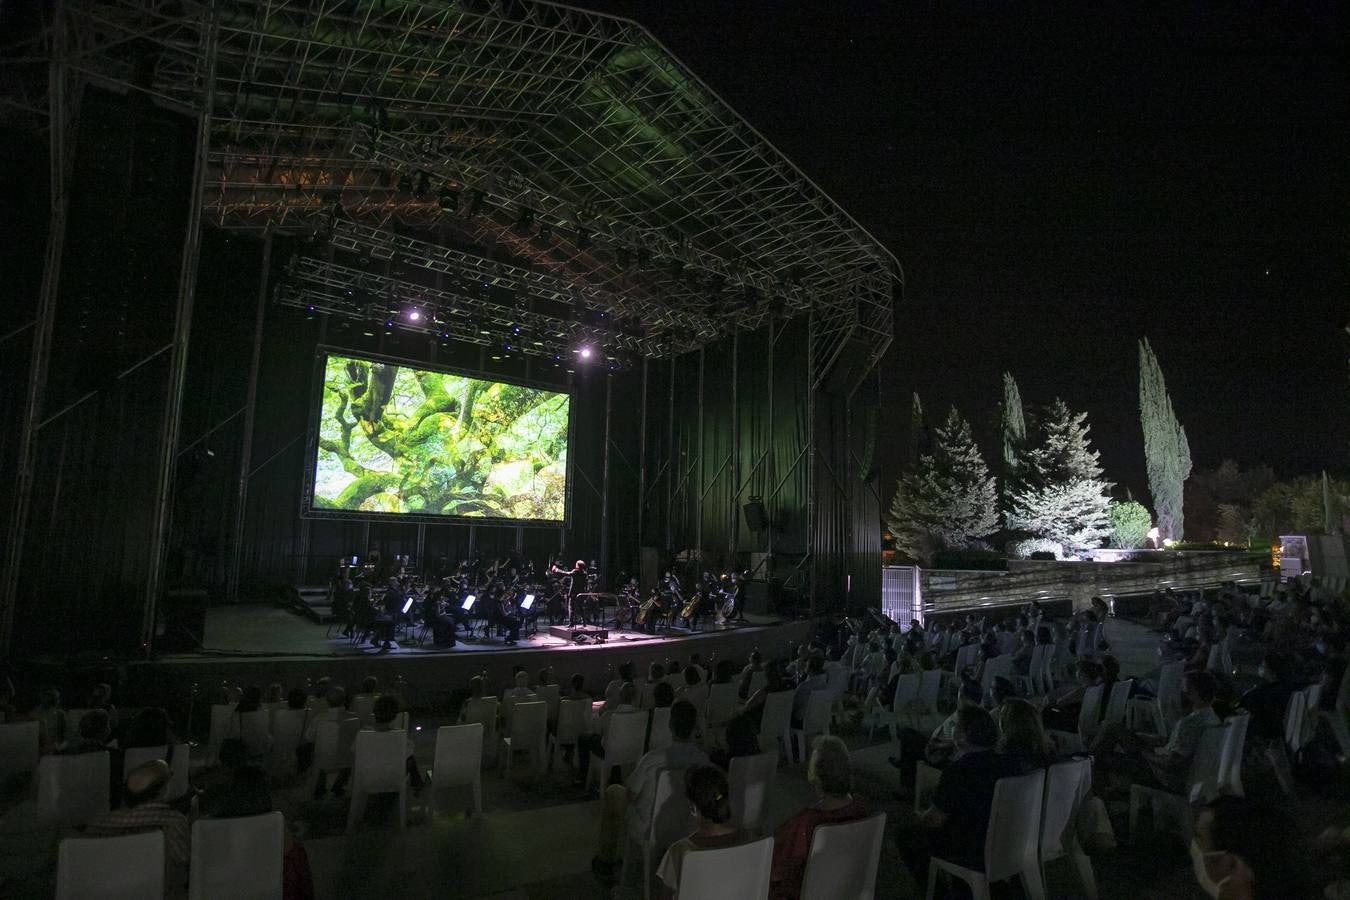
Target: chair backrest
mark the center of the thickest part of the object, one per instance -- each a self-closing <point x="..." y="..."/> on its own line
<point x="842" y="864"/>
<point x="968" y="655"/>
<point x="363" y="707"/>
<point x="380" y="761"/>
<point x="288" y="730"/>
<point x="1066" y="784"/>
<point x="777" y="714"/>
<point x="722" y="699"/>
<point x="550" y="694"/>
<point x="1234" y="745"/>
<point x="671" y="819"/>
<point x="998" y="667"/>
<point x="1295" y="712"/>
<point x="1036" y="669"/>
<point x="572" y="720"/>
<point x="906" y="691"/>
<point x="836" y="677"/>
<point x="1312" y="695"/>
<point x="484" y="711"/>
<point x="816" y="719"/>
<point x="180" y="765"/>
<point x="659" y="737"/>
<point x="1014" y="827"/>
<point x="237" y="858"/>
<point x="727" y="873"/>
<point x="751" y="779"/>
<point x="759" y="679"/>
<point x="1089" y="714"/>
<point x="1117" y="702"/>
<point x="626" y="739"/>
<point x="333" y="742"/>
<point x="224" y="724"/>
<point x="255" y="728"/>
<point x="71" y="789"/>
<point x="459" y="754"/>
<point x="19" y="747"/>
<point x="930" y="688"/>
<point x="1205" y="779"/>
<point x="125" y="867"/>
<point x="529" y="724"/>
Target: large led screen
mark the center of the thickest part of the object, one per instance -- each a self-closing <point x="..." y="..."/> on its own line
<point x="398" y="440"/>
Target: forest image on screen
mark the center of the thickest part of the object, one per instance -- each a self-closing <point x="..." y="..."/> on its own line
<point x="394" y="439"/>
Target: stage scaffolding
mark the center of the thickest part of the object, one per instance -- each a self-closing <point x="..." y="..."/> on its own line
<point x="509" y="168"/>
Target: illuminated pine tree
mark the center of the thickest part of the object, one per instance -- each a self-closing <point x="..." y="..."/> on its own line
<point x="1062" y="496"/>
<point x="1013" y="427"/>
<point x="948" y="498"/>
<point x="1167" y="454"/>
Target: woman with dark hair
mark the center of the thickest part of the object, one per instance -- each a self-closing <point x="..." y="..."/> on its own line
<point x="710" y="802"/>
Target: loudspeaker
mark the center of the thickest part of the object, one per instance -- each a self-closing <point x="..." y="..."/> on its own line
<point x="755" y="515"/>
<point x="182" y="621"/>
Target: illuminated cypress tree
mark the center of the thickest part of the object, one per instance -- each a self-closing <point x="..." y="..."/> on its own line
<point x="1166" y="451"/>
<point x="1013" y="427"/>
<point x="948" y="498"/>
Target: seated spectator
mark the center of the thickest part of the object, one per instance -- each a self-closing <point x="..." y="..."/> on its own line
<point x="1064" y="704"/>
<point x="51" y="719"/>
<point x="1234" y="857"/>
<point x="627" y="673"/>
<point x="94" y="735"/>
<point x="710" y="797"/>
<point x="1268" y="700"/>
<point x="235" y="788"/>
<point x="815" y="680"/>
<point x="576" y="688"/>
<point x="723" y="672"/>
<point x="1146" y="758"/>
<point x="938" y="748"/>
<point x="695" y="690"/>
<point x="831" y="775"/>
<point x="953" y="827"/>
<point x="1021" y="739"/>
<point x="275" y="697"/>
<point x="521" y="692"/>
<point x="150" y="728"/>
<point x="144" y="809"/>
<point x="756" y="662"/>
<point x="627" y="808"/>
<point x="251" y="701"/>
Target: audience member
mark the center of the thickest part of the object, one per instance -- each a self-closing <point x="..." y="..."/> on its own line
<point x="144" y="808"/>
<point x="829" y="771"/>
<point x="710" y="799"/>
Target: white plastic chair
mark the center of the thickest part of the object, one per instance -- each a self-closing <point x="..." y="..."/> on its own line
<point x="528" y="732"/>
<point x="1032" y="684"/>
<point x="255" y="732"/>
<point x="842" y="864"/>
<point x="670" y="821"/>
<point x="722" y="700"/>
<point x="1067" y="786"/>
<point x="550" y="694"/>
<point x="237" y="858"/>
<point x="1010" y="843"/>
<point x="926" y="778"/>
<point x="815" y="720"/>
<point x="224" y="724"/>
<point x="19" y="746"/>
<point x="333" y="740"/>
<point x="751" y="779"/>
<point x="930" y="689"/>
<point x="571" y="725"/>
<point x="775" y="721"/>
<point x="659" y="736"/>
<point x="458" y="761"/>
<point x="179" y="766"/>
<point x="380" y="766"/>
<point x="483" y="710"/>
<point x="363" y="707"/>
<point x="288" y="731"/>
<point x="1234" y="745"/>
<point x="998" y="667"/>
<point x="727" y="873"/>
<point x="126" y="867"/>
<point x="903" y="702"/>
<point x="623" y="746"/>
<point x="1117" y="701"/>
<point x="72" y="789"/>
<point x="1202" y="785"/>
<point x="1088" y="723"/>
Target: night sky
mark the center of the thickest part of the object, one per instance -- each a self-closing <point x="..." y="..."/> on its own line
<point x="1059" y="183"/>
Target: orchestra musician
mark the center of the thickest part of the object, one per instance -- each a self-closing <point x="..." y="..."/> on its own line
<point x="738" y="581"/>
<point x="438" y="611"/>
<point x="629" y="601"/>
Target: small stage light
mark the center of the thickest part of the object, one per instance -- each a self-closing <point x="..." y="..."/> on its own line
<point x="449" y="201"/>
<point x="414" y="315"/>
<point x="585" y="352"/>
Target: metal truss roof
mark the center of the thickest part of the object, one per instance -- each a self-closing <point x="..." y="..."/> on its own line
<point x="563" y="150"/>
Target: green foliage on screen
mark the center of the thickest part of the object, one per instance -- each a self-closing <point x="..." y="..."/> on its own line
<point x="394" y="439"/>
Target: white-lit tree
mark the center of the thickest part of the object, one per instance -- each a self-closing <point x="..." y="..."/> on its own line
<point x="1062" y="496"/>
<point x="1167" y="453"/>
<point x="1013" y="429"/>
<point x="948" y="499"/>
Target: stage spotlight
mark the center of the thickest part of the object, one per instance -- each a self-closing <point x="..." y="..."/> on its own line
<point x="405" y="184"/>
<point x="585" y="352"/>
<point x="414" y="315"/>
<point x="449" y="201"/>
<point x="423" y="186"/>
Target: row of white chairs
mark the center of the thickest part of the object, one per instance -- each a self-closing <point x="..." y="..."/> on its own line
<point x="230" y="859"/>
<point x="1216" y="768"/>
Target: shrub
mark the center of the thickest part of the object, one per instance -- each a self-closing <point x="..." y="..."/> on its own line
<point x="1130" y="524"/>
<point x="1036" y="548"/>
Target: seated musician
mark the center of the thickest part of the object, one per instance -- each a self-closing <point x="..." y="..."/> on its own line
<point x="437" y="612"/>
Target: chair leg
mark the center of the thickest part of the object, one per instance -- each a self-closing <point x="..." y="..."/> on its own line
<point x="1135" y="801"/>
<point x="478" y="798"/>
<point x="932" y="881"/>
<point x="1083" y="864"/>
<point x="403" y="808"/>
<point x="1279" y="763"/>
<point x="356" y="811"/>
<point x="1033" y="881"/>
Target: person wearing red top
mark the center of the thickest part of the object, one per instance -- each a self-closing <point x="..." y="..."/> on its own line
<point x="831" y="773"/>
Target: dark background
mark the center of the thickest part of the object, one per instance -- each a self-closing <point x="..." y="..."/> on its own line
<point x="1060" y="181"/>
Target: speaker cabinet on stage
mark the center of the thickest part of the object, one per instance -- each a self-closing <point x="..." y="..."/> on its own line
<point x="756" y="516"/>
<point x="182" y="621"/>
